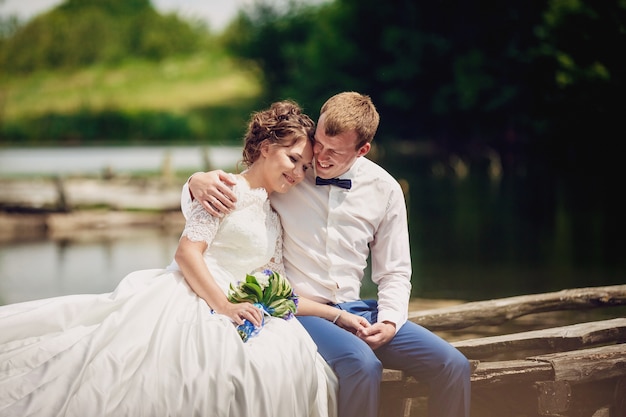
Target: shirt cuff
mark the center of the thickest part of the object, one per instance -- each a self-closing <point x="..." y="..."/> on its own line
<point x="394" y="317"/>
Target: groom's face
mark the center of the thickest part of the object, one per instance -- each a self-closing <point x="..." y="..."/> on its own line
<point x="334" y="155"/>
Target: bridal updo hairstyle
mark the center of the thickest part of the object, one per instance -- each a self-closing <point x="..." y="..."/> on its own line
<point x="283" y="124"/>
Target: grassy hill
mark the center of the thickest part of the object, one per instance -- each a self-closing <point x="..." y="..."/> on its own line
<point x="197" y="98"/>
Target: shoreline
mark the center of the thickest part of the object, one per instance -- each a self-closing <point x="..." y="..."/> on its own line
<point x="56" y="194"/>
<point x="45" y="207"/>
<point x="15" y="226"/>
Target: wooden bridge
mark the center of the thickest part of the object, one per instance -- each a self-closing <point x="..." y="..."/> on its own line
<point x="577" y="370"/>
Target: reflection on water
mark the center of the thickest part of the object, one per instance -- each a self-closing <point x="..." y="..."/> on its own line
<point x="40" y="269"/>
<point x="479" y="239"/>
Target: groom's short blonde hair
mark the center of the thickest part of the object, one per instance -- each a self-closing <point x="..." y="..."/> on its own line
<point x="351" y="111"/>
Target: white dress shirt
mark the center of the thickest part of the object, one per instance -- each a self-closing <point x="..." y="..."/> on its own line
<point x="329" y="233"/>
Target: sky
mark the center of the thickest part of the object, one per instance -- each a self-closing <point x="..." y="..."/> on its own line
<point x="217" y="13"/>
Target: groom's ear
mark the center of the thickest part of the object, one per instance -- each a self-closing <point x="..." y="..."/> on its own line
<point x="363" y="150"/>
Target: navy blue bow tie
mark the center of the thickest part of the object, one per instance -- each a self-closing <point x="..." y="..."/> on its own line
<point x="347" y="184"/>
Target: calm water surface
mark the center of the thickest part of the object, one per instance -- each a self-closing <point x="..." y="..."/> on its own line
<point x="472" y="239"/>
<point x="47" y="268"/>
<point x="94" y="160"/>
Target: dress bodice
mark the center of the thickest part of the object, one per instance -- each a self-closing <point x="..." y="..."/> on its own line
<point x="245" y="240"/>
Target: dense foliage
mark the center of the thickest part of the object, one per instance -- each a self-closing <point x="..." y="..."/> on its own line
<point x="117" y="72"/>
<point x="84" y="32"/>
<point x="469" y="76"/>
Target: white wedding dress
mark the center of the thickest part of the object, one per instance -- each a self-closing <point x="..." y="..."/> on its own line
<point x="153" y="348"/>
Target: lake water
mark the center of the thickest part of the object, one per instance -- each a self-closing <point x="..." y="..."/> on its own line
<point x="472" y="238"/>
<point x="86" y="264"/>
<point x="95" y="160"/>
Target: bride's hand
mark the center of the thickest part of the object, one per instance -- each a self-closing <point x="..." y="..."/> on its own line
<point x="238" y="312"/>
<point x="352" y="322"/>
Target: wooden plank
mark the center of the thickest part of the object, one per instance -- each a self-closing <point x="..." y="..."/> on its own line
<point x="394" y="375"/>
<point x="580" y="366"/>
<point x="511" y="372"/>
<point x="557" y="339"/>
<point x="587" y="365"/>
<point x="485" y="374"/>
<point x="493" y="312"/>
<point x="397" y="387"/>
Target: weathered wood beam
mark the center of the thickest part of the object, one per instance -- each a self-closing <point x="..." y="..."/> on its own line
<point x="553" y="397"/>
<point x="562" y="398"/>
<point x="498" y="311"/>
<point x="587" y="365"/>
<point x="509" y="372"/>
<point x="393" y="375"/>
<point x="556" y="339"/>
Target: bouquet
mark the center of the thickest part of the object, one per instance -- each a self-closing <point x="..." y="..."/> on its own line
<point x="267" y="290"/>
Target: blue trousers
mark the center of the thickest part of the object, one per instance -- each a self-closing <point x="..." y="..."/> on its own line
<point x="414" y="350"/>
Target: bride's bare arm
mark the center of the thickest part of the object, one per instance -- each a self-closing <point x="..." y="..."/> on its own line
<point x="213" y="190"/>
<point x="342" y="318"/>
<point x="189" y="259"/>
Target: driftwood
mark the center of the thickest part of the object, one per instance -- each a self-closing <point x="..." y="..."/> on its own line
<point x="494" y="312"/>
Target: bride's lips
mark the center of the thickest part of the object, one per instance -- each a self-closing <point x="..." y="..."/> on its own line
<point x="290" y="180"/>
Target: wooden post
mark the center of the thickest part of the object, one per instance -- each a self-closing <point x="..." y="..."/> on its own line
<point x="553" y="397"/>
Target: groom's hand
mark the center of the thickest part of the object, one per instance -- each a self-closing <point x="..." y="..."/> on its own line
<point x="213" y="191"/>
<point x="378" y="334"/>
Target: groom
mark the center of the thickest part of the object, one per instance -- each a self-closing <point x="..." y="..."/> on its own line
<point x="332" y="223"/>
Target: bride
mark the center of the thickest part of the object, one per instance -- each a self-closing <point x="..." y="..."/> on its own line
<point x="164" y="342"/>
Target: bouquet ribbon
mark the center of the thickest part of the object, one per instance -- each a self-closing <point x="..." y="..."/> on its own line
<point x="247" y="329"/>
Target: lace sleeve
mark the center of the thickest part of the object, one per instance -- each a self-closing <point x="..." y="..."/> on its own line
<point x="200" y="225"/>
<point x="276" y="262"/>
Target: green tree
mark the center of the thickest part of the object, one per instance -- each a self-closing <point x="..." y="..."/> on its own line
<point x="111" y="7"/>
<point x="420" y="61"/>
<point x="581" y="82"/>
<point x="84" y="32"/>
<point x="270" y="38"/>
<point x="465" y="75"/>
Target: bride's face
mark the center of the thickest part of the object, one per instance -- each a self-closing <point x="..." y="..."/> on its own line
<point x="285" y="166"/>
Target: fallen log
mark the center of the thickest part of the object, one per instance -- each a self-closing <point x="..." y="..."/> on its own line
<point x="494" y="312"/>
